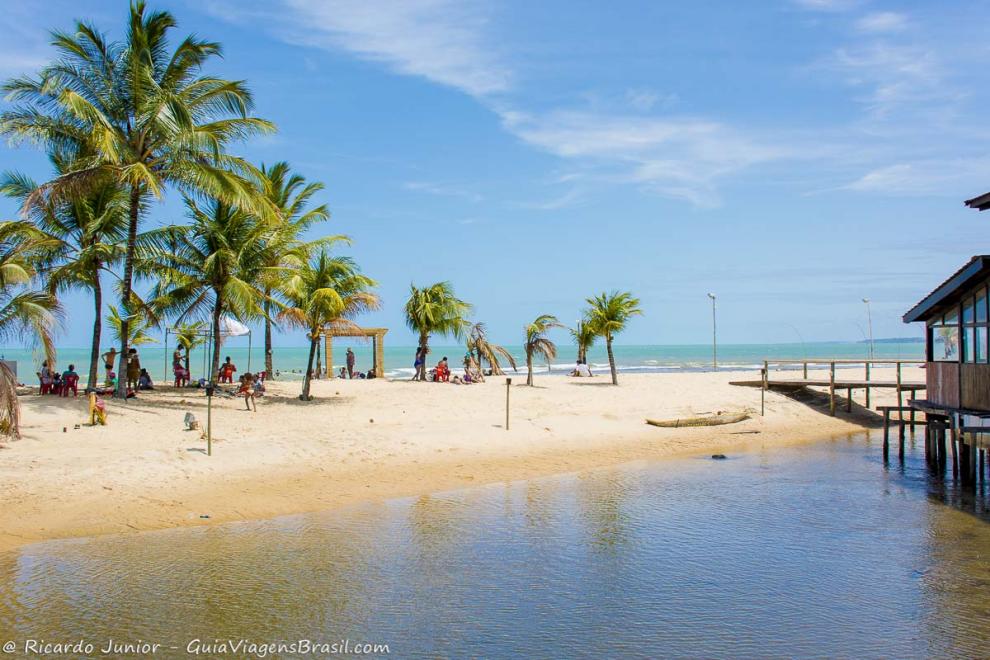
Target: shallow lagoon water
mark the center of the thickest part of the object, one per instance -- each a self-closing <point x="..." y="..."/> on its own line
<point x="814" y="551"/>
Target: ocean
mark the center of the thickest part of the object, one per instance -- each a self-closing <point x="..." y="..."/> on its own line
<point x="290" y="362"/>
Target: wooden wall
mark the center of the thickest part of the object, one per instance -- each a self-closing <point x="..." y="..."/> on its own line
<point x="942" y="379"/>
<point x="976" y="386"/>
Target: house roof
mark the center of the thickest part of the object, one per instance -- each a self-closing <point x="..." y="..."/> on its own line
<point x="978" y="267"/>
<point x="981" y="202"/>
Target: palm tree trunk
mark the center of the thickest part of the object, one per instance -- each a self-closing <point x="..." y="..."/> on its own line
<point x="319" y="365"/>
<point x="313" y="343"/>
<point x="424" y="345"/>
<point x="94" y="352"/>
<point x="217" y="308"/>
<point x="529" y="368"/>
<point x="611" y="360"/>
<point x="269" y="366"/>
<point x="125" y="300"/>
<point x="187" y="361"/>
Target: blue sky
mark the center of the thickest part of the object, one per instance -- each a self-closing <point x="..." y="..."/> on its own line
<point x="792" y="156"/>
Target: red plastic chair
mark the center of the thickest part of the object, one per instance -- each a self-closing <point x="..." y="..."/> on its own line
<point x="70" y="383"/>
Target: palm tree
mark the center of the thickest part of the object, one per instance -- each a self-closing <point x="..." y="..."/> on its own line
<point x="24" y="312"/>
<point x="84" y="234"/>
<point x="149" y="118"/>
<point x="137" y="330"/>
<point x="538" y="344"/>
<point x="328" y="291"/>
<point x="608" y="315"/>
<point x="209" y="268"/>
<point x="435" y="310"/>
<point x="289" y="195"/>
<point x="584" y="337"/>
<point x="189" y="336"/>
<point x="478" y="344"/>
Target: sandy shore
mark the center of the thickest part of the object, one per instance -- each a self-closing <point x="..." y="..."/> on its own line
<point x="361" y="440"/>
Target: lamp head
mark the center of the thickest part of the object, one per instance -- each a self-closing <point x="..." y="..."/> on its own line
<point x="712" y="296"/>
<point x="866" y="300"/>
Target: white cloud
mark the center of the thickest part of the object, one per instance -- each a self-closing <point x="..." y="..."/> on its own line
<point x="442" y="190"/>
<point x="884" y="21"/>
<point x="956" y="177"/>
<point x="440" y="40"/>
<point x="826" y="5"/>
<point x="896" y="76"/>
<point x="677" y="157"/>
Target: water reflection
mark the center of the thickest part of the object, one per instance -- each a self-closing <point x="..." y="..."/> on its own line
<point x="817" y="551"/>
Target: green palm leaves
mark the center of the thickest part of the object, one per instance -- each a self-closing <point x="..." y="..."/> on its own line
<point x="435" y="310"/>
<point x="537" y="344"/>
<point x="607" y="315"/>
<point x="326" y="292"/>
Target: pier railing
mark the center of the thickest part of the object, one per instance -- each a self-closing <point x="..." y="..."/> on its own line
<point x="866" y="384"/>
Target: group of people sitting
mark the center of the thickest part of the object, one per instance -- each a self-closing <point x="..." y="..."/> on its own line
<point x="472" y="374"/>
<point x="581" y="370"/>
<point x="59" y="384"/>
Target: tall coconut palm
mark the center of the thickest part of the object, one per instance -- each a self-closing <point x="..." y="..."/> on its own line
<point x="190" y="336"/>
<point x="608" y="314"/>
<point x="328" y="291"/>
<point x="584" y="338"/>
<point x="537" y="343"/>
<point x="478" y="344"/>
<point x="25" y="314"/>
<point x="290" y="195"/>
<point x="85" y="235"/>
<point x="150" y="118"/>
<point x="137" y="329"/>
<point x="210" y="267"/>
<point x="435" y="310"/>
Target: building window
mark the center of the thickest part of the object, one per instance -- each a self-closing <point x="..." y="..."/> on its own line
<point x="945" y="340"/>
<point x="974" y="327"/>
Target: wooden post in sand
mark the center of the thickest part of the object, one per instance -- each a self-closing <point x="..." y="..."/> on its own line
<point x="900" y="402"/>
<point x="831" y="388"/>
<point x="763" y="392"/>
<point x="867" y="385"/>
<point x="508" y="386"/>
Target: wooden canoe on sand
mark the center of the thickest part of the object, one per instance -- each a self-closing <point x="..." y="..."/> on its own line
<point x="705" y="420"/>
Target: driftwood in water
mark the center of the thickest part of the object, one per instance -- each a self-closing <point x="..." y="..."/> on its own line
<point x="706" y="420"/>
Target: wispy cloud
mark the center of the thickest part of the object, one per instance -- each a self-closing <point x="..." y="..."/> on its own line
<point x="894" y="76"/>
<point x="677" y="157"/>
<point x="957" y="177"/>
<point x="884" y="21"/>
<point x="439" y="40"/>
<point x="442" y="190"/>
<point x="827" y="5"/>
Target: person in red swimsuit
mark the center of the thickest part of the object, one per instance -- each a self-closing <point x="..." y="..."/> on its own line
<point x="227" y="370"/>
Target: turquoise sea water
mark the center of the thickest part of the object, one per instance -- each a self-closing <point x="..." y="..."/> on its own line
<point x="291" y="361"/>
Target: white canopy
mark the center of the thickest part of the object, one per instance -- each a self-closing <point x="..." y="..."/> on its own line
<point x="233" y="328"/>
<point x="229" y="327"/>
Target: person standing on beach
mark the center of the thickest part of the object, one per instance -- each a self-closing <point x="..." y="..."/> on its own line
<point x="133" y="369"/>
<point x="350" y="363"/>
<point x="109" y="359"/>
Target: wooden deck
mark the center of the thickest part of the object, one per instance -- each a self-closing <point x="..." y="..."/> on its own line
<point x="834" y="383"/>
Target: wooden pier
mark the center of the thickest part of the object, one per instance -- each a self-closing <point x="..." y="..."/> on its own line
<point x="959" y="435"/>
<point x="834" y="384"/>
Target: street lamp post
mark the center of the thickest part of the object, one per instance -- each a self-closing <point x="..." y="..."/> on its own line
<point x="714" y="336"/>
<point x="869" y="319"/>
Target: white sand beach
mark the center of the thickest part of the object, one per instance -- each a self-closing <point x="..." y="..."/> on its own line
<point x="362" y="440"/>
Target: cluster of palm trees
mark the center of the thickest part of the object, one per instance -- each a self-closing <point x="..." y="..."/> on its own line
<point x="436" y="310"/>
<point x="122" y="121"/>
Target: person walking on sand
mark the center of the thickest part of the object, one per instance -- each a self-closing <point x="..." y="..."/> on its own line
<point x="350" y="363"/>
